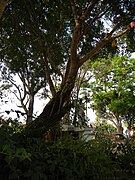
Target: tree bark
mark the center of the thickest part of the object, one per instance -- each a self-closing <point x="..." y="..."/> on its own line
<point x="30" y="109"/>
<point x="58" y="106"/>
<point x="3" y="4"/>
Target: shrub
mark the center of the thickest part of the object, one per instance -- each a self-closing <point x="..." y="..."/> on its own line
<point x="65" y="159"/>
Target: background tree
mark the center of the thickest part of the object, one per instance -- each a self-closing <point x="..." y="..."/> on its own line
<point x="24" y="83"/>
<point x="103" y="129"/>
<point x="24" y="59"/>
<point x="66" y="34"/>
<point x="113" y="90"/>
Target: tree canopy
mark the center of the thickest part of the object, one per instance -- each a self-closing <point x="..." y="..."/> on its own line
<point x="61" y="36"/>
<point x="113" y="90"/>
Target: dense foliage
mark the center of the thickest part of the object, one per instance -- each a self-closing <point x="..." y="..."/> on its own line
<point x="113" y="90"/>
<point x="67" y="158"/>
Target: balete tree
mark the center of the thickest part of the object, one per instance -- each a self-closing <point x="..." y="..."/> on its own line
<point x="66" y="34"/>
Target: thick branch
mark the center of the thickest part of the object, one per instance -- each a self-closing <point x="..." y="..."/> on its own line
<point x="77" y="31"/>
<point x="73" y="60"/>
<point x="47" y="70"/>
<point x="121" y="33"/>
<point x="74" y="12"/>
<point x="101" y="44"/>
<point x="3" y="4"/>
<point x="117" y="27"/>
<point x="94" y="51"/>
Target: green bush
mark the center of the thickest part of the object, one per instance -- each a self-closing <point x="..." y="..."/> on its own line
<point x="23" y="158"/>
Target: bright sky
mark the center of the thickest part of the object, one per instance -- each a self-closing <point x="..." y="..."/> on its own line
<point x="133" y="55"/>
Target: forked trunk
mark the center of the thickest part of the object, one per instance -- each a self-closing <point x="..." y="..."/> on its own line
<point x="58" y="106"/>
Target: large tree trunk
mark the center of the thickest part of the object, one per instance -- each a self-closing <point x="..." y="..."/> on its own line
<point x="58" y="106"/>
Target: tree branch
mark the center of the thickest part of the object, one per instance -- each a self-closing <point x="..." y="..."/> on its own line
<point x="98" y="15"/>
<point x="121" y="33"/>
<point x="77" y="32"/>
<point x="22" y="78"/>
<point x="73" y="6"/>
<point x="102" y="43"/>
<point x="88" y="9"/>
<point x="47" y="71"/>
<point x="3" y="4"/>
<point x="19" y="97"/>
